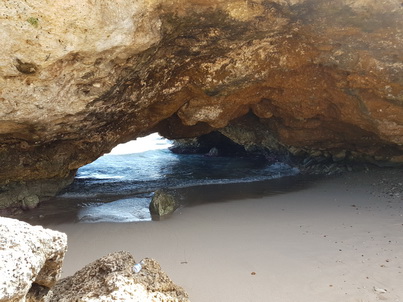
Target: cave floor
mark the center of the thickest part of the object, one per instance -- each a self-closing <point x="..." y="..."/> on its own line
<point x="334" y="239"/>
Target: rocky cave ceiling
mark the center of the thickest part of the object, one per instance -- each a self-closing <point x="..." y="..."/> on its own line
<point x="79" y="77"/>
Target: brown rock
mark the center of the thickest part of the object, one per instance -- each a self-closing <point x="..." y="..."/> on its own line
<point x="75" y="80"/>
<point x="111" y="278"/>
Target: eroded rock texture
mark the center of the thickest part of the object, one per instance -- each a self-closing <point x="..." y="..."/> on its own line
<point x="163" y="203"/>
<point x="31" y="259"/>
<point x="78" y="77"/>
<point x="111" y="278"/>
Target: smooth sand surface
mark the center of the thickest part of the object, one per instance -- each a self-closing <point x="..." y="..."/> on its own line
<point x="335" y="239"/>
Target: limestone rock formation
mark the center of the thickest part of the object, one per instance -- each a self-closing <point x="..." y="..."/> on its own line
<point x="162" y="203"/>
<point x="111" y="278"/>
<point x="306" y="76"/>
<point x="31" y="258"/>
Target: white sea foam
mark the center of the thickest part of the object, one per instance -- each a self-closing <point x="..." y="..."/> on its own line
<point x="122" y="210"/>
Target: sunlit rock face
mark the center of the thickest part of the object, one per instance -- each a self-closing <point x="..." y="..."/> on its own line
<point x="79" y="77"/>
<point x="31" y="259"/>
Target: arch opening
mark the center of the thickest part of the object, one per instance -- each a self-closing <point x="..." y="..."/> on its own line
<point x="119" y="186"/>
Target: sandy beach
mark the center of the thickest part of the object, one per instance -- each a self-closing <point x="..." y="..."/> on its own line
<point x="333" y="239"/>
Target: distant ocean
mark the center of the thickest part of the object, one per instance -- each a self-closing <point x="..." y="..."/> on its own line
<point x="118" y="186"/>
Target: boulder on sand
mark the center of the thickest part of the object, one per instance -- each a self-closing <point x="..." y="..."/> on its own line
<point x="163" y="203"/>
<point x="111" y="278"/>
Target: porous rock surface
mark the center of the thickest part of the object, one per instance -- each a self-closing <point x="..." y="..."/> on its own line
<point x="307" y="76"/>
<point x="31" y="259"/>
<point x="111" y="278"/>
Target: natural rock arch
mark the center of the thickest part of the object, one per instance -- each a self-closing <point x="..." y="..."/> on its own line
<point x="311" y="76"/>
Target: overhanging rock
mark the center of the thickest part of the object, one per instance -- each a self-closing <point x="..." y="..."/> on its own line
<point x="77" y="78"/>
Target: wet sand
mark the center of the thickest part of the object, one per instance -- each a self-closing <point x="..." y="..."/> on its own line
<point x="339" y="238"/>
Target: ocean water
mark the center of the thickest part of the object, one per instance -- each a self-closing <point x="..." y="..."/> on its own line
<point x="118" y="186"/>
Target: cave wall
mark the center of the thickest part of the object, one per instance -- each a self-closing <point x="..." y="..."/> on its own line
<point x="79" y="77"/>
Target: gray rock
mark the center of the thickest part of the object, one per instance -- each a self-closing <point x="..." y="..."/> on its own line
<point x="163" y="203"/>
<point x="30" y="202"/>
<point x="27" y="194"/>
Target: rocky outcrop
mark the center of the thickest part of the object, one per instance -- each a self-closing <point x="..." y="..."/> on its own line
<point x="209" y="143"/>
<point x="111" y="278"/>
<point x="31" y="259"/>
<point x="306" y="76"/>
<point x="28" y="194"/>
